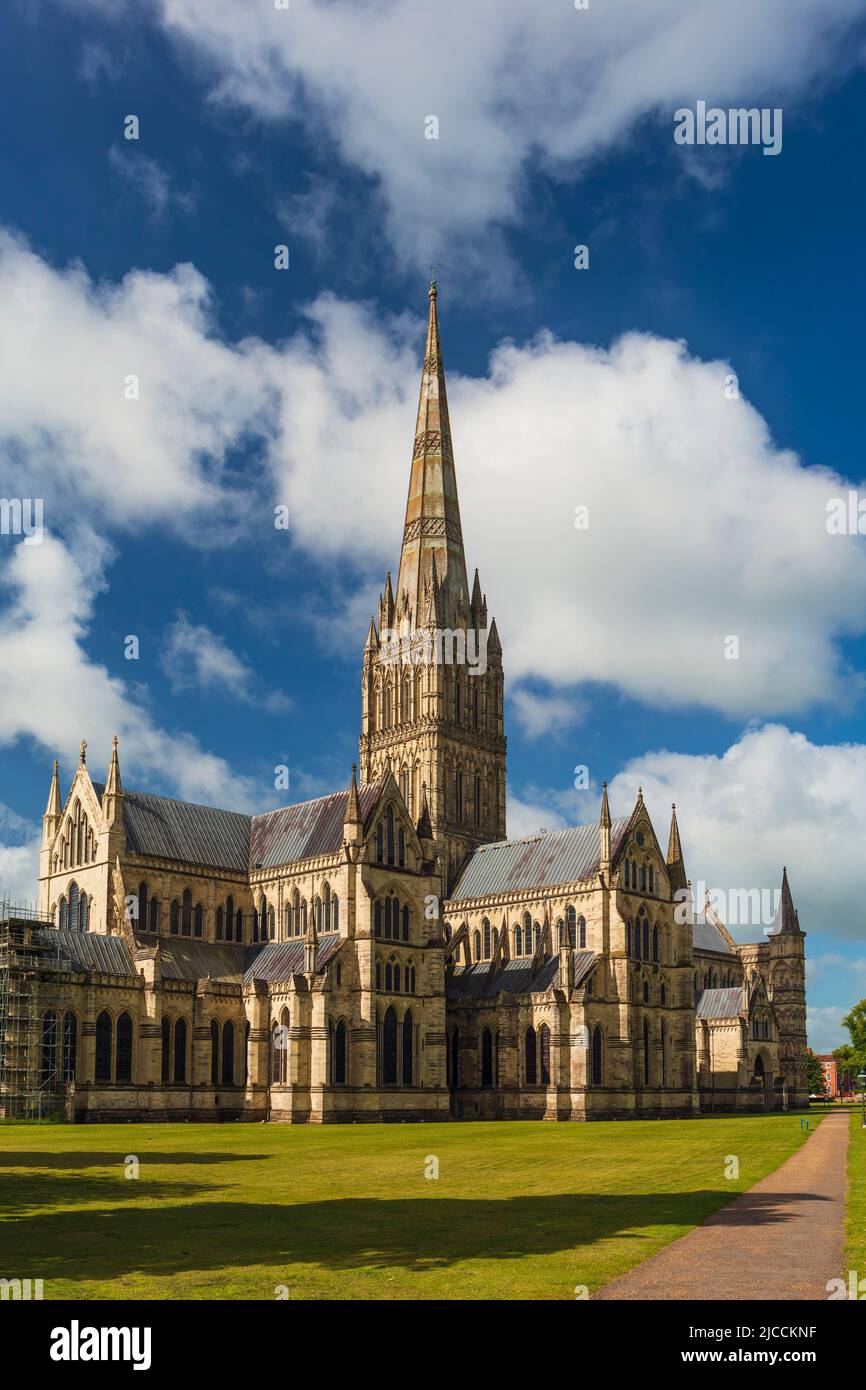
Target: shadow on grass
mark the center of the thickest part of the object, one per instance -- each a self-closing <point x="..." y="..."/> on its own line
<point x="88" y="1159"/>
<point x="414" y="1234"/>
<point x="26" y="1197"/>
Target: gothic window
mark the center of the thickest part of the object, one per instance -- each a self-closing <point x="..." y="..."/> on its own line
<point x="486" y="1058"/>
<point x="219" y="924"/>
<point x="401" y="848"/>
<point x="83" y="912"/>
<point x="199" y="920"/>
<point x="317" y="912"/>
<point x="123" y="1062"/>
<point x="405" y="921"/>
<point x="536" y="935"/>
<point x="664" y="1056"/>
<point x="380" y="848"/>
<point x="389" y="1048"/>
<point x="628" y="937"/>
<point x="104" y="1032"/>
<point x="597" y="1057"/>
<point x="646" y="992"/>
<point x="475" y="706"/>
<point x="581" y="933"/>
<point x="230" y="918"/>
<point x="663" y="995"/>
<point x="646" y="1053"/>
<point x="408" y="1049"/>
<point x="531" y="1068"/>
<point x="485" y="926"/>
<point x="476" y="941"/>
<point x="335" y="914"/>
<point x="544" y="1053"/>
<point x="154" y="914"/>
<point x="186" y="914"/>
<point x="63" y="915"/>
<point x="388" y="977"/>
<point x="476" y="799"/>
<point x="180" y="1051"/>
<point x="214" y="1052"/>
<point x="166" y="1050"/>
<point x="228" y="1054"/>
<point x="643" y="878"/>
<point x="239" y="924"/>
<point x="49" y="1048"/>
<point x="340" y="1049"/>
<point x="495" y="940"/>
<point x="655" y="944"/>
<point x="73" y="906"/>
<point x="518" y="941"/>
<point x="378" y="975"/>
<point x="396" y="976"/>
<point x="458" y="700"/>
<point x="377" y="919"/>
<point x="389" y="831"/>
<point x="645" y="942"/>
<point x="571" y="925"/>
<point x="338" y="974"/>
<point x="560" y="932"/>
<point x="651" y="875"/>
<point x="287" y="921"/>
<point x="70" y="1046"/>
<point x="142" y="907"/>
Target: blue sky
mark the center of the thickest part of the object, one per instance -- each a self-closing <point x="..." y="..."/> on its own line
<point x="261" y="386"/>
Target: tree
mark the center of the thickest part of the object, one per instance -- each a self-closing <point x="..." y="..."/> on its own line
<point x="855" y="1022"/>
<point x="815" y="1075"/>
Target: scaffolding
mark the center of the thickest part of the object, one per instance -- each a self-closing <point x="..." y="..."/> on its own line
<point x="30" y="1046"/>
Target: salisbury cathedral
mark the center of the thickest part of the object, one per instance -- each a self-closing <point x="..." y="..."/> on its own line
<point x="386" y="952"/>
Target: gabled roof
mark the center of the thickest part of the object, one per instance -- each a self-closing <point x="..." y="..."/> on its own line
<point x="515" y="977"/>
<point x="160" y="827"/>
<point x="537" y="861"/>
<point x="73" y="950"/>
<point x="720" y="1003"/>
<point x="707" y="937"/>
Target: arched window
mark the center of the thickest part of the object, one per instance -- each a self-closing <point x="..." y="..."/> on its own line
<point x="664" y="1056"/>
<point x="70" y="1046"/>
<point x="389" y="1048"/>
<point x="571" y="925"/>
<point x="142" y="907"/>
<point x="230" y="918"/>
<point x="486" y="1058"/>
<point x="581" y="933"/>
<point x="412" y="979"/>
<point x="389" y="832"/>
<point x="378" y="975"/>
<point x="655" y="943"/>
<point x="643" y="878"/>
<point x="154" y="914"/>
<point x="544" y="1053"/>
<point x="405" y="921"/>
<point x="377" y="919"/>
<point x="175" y="917"/>
<point x="476" y="788"/>
<point x="476" y="942"/>
<point x="401" y="848"/>
<point x="408" y="1049"/>
<point x="531" y="1068"/>
<point x="335" y="914"/>
<point x="123" y="1061"/>
<point x="239" y="924"/>
<point x="83" y="912"/>
<point x="166" y="1050"/>
<point x="186" y="914"/>
<point x="219" y="924"/>
<point x="214" y="1052"/>
<point x="651" y="879"/>
<point x="73" y="907"/>
<point x="663" y="995"/>
<point x="485" y="927"/>
<point x="49" y="1048"/>
<point x="246" y="1053"/>
<point x="380" y="847"/>
<point x="646" y="992"/>
<point x="561" y="939"/>
<point x="317" y="913"/>
<point x="104" y="1030"/>
<point x="340" y="1051"/>
<point x="180" y="1050"/>
<point x="228" y="1054"/>
<point x="646" y="1053"/>
<point x="645" y="935"/>
<point x="64" y="919"/>
<point x="518" y="941"/>
<point x="597" y="1057"/>
<point x="287" y="921"/>
<point x="199" y="920"/>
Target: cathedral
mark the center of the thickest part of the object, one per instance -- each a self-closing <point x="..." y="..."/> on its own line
<point x="386" y="952"/>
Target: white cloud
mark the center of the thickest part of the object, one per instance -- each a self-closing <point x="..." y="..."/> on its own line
<point x="510" y="84"/>
<point x="67" y="430"/>
<point x="149" y="180"/>
<point x="19" y="858"/>
<point x="824" y="1027"/>
<point x="546" y="714"/>
<point x="51" y="692"/>
<point x="196" y="657"/>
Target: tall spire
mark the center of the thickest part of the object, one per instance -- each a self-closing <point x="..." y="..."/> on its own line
<point x="112" y="796"/>
<point x="676" y="863"/>
<point x="786" y="914"/>
<point x="432" y="511"/>
<point x="54" y="809"/>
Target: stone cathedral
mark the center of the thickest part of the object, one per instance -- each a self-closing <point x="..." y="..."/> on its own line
<point x="386" y="952"/>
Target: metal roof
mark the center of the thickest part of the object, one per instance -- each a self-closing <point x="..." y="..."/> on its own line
<point x="706" y="937"/>
<point x="720" y="1003"/>
<point x="182" y="959"/>
<point x="279" y="960"/>
<point x="161" y="828"/>
<point x="537" y="861"/>
<point x="516" y="977"/>
<point x="109" y="955"/>
<point x="307" y="830"/>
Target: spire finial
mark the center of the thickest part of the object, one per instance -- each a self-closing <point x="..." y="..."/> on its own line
<point x="83" y="753"/>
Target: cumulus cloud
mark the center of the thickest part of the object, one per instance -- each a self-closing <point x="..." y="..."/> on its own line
<point x="508" y="84"/>
<point x="20" y="840"/>
<point x="51" y="692"/>
<point x="71" y="426"/>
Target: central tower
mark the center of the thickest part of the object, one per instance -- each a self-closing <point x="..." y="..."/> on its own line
<point x="432" y="685"/>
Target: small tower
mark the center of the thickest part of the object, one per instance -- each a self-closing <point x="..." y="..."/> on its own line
<point x="675" y="861"/>
<point x="50" y="822"/>
<point x="112" y="797"/>
<point x="353" y="826"/>
<point x="787" y="988"/>
<point x="311" y="946"/>
<point x="604" y="834"/>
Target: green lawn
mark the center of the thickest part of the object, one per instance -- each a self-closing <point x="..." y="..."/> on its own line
<point x="519" y="1210"/>
<point x="855" y="1225"/>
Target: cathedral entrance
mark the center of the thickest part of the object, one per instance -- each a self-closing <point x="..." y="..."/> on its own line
<point x="766" y="1079"/>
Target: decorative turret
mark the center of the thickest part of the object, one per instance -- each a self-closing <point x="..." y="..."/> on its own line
<point x="675" y="861"/>
<point x="353" y="827"/>
<point x="786" y="919"/>
<point x="604" y="833"/>
<point x="112" y="797"/>
<point x="54" y="809"/>
<point x="311" y="946"/>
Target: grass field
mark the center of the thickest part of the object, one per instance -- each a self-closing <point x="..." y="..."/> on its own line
<point x="519" y="1210"/>
<point x="855" y="1214"/>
